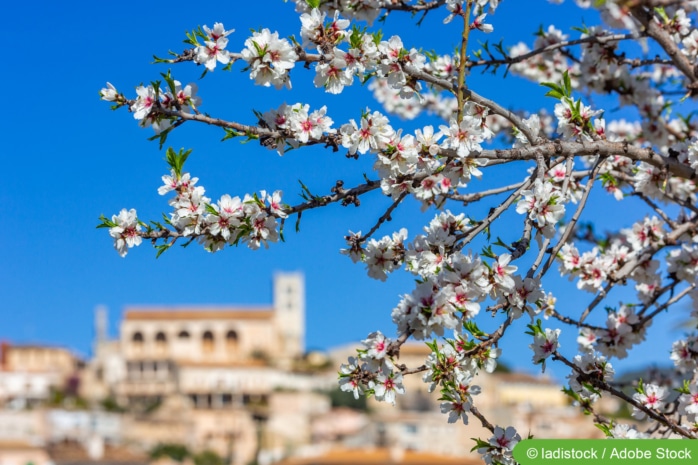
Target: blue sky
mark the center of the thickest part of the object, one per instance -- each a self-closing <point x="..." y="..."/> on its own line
<point x="68" y="159"/>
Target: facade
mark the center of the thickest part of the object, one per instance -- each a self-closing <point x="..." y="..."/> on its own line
<point x="208" y="377"/>
<point x="29" y="374"/>
<point x="218" y="357"/>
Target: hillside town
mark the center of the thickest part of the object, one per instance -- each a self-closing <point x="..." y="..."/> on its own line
<point x="235" y="385"/>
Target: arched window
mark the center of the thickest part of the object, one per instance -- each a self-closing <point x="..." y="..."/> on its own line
<point x="160" y="343"/>
<point x="137" y="341"/>
<point x="207" y="342"/>
<point x="184" y="334"/>
<point x="231" y="342"/>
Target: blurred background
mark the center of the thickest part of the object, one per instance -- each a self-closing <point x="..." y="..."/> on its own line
<point x="229" y="358"/>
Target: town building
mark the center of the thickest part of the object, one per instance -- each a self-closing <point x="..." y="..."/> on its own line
<point x="218" y="357"/>
<point x="31" y="374"/>
<point x="219" y="378"/>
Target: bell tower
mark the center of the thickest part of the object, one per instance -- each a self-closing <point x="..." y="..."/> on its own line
<point x="289" y="313"/>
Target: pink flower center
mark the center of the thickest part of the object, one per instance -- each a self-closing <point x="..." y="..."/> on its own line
<point x="548" y="347"/>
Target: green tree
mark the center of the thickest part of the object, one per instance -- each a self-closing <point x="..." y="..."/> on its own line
<point x="208" y="457"/>
<point x="176" y="452"/>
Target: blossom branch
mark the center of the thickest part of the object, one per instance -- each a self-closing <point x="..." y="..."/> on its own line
<point x="672" y="224"/>
<point x="385" y="217"/>
<point x="666" y="304"/>
<point x="481" y="417"/>
<point x="509" y="60"/>
<point x="493" y="215"/>
<point x="604" y="386"/>
<point x="573" y="221"/>
<point x="461" y="88"/>
<point x="654" y="30"/>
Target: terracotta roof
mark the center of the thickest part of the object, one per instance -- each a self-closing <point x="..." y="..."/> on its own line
<point x="379" y="456"/>
<point x="27" y="347"/>
<point x="198" y="313"/>
<point x="17" y="445"/>
<point x="523" y="378"/>
<point x="73" y="453"/>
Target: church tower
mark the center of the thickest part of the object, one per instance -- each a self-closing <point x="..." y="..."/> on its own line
<point x="289" y="313"/>
<point x="101" y="326"/>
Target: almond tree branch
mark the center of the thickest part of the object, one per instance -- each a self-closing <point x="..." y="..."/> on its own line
<point x="546" y="150"/>
<point x="643" y="256"/>
<point x="663" y="38"/>
<point x="599" y="39"/>
<point x="666" y="304"/>
<point x="385" y="217"/>
<point x="604" y="386"/>
<point x="573" y="221"/>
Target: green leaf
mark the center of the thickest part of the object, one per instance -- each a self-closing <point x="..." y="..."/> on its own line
<point x="161" y="249"/>
<point x="501" y="243"/>
<point x="211" y="210"/>
<point x="535" y="329"/>
<point x="106" y="222"/>
<point x="480" y="444"/>
<point x="640" y="389"/>
<point x="176" y="159"/>
<point x="307" y="195"/>
<point x="568" y="83"/>
<point x="161" y="60"/>
<point x="605" y="428"/>
<point x="583" y="29"/>
<point x="662" y="13"/>
<point x="356" y="36"/>
<point x="298" y="222"/>
<point x="191" y="38"/>
<point x="554" y="94"/>
<point x="313" y="3"/>
<point x="685" y="389"/>
<point x="170" y="81"/>
<point x="473" y="329"/>
<point x="162" y="137"/>
<point x="487" y="252"/>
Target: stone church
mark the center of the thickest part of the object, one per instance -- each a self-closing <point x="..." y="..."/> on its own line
<point x="217" y="357"/>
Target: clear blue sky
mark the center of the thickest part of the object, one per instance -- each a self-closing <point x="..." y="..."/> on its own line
<point x="68" y="159"/>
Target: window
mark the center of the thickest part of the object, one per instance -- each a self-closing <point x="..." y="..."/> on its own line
<point x="184" y="334"/>
<point x="207" y="342"/>
<point x="160" y="343"/>
<point x="231" y="342"/>
<point x="137" y="340"/>
<point x="411" y="428"/>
